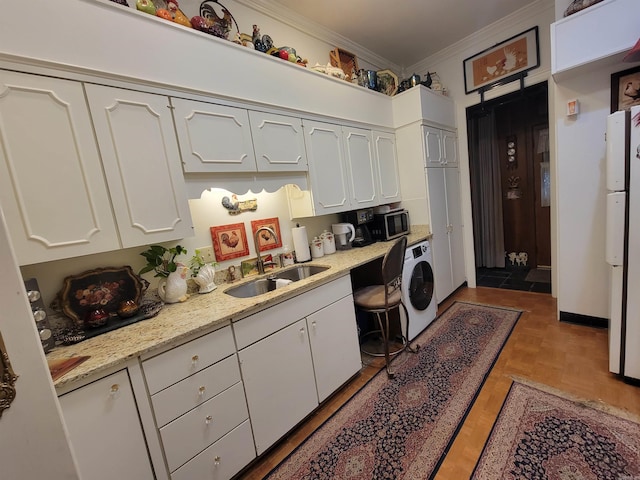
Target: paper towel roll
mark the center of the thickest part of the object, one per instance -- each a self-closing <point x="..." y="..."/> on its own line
<point x="301" y="244"/>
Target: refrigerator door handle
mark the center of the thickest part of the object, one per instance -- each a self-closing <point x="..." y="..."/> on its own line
<point x="616" y="204"/>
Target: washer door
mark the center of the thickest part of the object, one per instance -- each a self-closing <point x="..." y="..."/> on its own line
<point x="421" y="286"/>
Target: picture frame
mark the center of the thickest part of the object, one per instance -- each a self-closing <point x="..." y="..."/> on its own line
<point x="229" y="241"/>
<point x="387" y="82"/>
<point x="503" y="63"/>
<point x="625" y="89"/>
<point x="346" y="61"/>
<point x="267" y="242"/>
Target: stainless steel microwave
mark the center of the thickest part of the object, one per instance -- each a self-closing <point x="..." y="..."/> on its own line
<point x="387" y="226"/>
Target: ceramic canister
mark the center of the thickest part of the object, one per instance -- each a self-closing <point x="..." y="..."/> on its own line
<point x="328" y="242"/>
<point x="317" y="249"/>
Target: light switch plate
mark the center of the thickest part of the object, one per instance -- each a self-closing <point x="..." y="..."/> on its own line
<point x="207" y="254"/>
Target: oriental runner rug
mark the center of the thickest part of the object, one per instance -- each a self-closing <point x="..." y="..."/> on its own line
<point x="543" y="435"/>
<point x="401" y="428"/>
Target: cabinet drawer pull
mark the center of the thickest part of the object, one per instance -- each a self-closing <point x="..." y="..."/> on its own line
<point x="201" y="390"/>
<point x="208" y="419"/>
<point x="194" y="360"/>
<point x="114" y="389"/>
<point x="216" y="460"/>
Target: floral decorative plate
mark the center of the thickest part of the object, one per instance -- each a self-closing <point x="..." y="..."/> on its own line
<point x="387" y="82"/>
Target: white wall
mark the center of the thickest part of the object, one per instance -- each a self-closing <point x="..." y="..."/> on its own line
<point x="448" y="64"/>
<point x="206" y="212"/>
<point x="584" y="274"/>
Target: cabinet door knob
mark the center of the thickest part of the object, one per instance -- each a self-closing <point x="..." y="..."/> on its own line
<point x="194" y="359"/>
<point x="216" y="460"/>
<point x="114" y="389"/>
<point x="313" y="324"/>
<point x="208" y="419"/>
<point x="302" y="332"/>
<point x="201" y="390"/>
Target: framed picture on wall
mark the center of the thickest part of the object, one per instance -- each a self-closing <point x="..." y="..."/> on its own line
<point x="625" y="89"/>
<point x="502" y="63"/>
<point x="266" y="241"/>
<point x="229" y="241"/>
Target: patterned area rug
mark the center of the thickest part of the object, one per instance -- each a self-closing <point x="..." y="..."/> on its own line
<point x="540" y="435"/>
<point x="402" y="428"/>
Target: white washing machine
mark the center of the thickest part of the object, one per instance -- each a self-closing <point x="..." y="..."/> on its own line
<point x="418" y="292"/>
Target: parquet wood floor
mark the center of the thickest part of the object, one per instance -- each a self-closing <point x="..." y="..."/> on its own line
<point x="568" y="357"/>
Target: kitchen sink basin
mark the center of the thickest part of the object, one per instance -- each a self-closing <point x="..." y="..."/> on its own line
<point x="263" y="285"/>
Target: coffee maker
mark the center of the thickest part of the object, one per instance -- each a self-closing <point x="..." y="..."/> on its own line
<point x="360" y="220"/>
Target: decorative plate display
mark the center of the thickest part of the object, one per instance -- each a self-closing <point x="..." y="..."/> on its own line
<point x="387" y="82"/>
<point x="101" y="289"/>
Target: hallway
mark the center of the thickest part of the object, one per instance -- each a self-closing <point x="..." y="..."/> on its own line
<point x="514" y="278"/>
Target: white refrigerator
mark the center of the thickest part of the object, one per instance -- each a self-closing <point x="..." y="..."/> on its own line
<point x="623" y="241"/>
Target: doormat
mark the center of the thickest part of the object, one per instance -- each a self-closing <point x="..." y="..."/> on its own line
<point x="538" y="275"/>
<point x="402" y="428"/>
<point x="547" y="434"/>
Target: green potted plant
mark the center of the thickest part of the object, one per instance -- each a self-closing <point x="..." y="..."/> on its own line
<point x="161" y="260"/>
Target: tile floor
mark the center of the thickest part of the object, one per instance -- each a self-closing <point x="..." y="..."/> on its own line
<point x="510" y="277"/>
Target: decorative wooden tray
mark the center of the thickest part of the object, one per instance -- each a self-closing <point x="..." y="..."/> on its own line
<point x="103" y="288"/>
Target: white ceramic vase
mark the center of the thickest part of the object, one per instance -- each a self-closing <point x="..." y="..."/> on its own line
<point x="205" y="278"/>
<point x="174" y="288"/>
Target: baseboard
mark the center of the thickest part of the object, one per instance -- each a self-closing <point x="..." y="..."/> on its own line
<point x="585" y="320"/>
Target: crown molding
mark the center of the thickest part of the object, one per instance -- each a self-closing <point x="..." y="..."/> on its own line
<point x="275" y="10"/>
<point x="486" y="35"/>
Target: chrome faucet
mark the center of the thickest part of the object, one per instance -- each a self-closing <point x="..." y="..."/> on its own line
<point x="256" y="241"/>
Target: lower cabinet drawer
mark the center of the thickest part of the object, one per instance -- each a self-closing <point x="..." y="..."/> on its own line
<point x="223" y="459"/>
<point x="195" y="390"/>
<point x="197" y="429"/>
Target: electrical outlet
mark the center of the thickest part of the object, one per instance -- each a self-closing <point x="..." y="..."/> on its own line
<point x="207" y="254"/>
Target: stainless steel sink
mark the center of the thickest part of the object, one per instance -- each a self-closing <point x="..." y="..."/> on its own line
<point x="300" y="272"/>
<point x="266" y="284"/>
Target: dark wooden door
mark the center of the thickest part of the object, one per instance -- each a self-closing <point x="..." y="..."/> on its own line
<point x="521" y="118"/>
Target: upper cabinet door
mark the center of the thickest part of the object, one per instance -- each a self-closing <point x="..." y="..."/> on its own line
<point x="142" y="165"/>
<point x="432" y="146"/>
<point x="213" y="138"/>
<point x="278" y="141"/>
<point x="449" y="149"/>
<point x="361" y="168"/>
<point x="387" y="167"/>
<point x="52" y="189"/>
<point x="327" y="173"/>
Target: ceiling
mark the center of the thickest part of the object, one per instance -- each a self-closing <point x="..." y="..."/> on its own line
<point x="404" y="31"/>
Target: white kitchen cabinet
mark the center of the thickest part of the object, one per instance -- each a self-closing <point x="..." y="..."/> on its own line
<point x="105" y="431"/>
<point x="433" y="198"/>
<point x="52" y="189"/>
<point x="361" y="167"/>
<point x="327" y="168"/>
<point x="349" y="168"/>
<point x="312" y="348"/>
<point x="334" y="345"/>
<point x="198" y="397"/>
<point x="223" y="459"/>
<point x="278" y="141"/>
<point x="388" y="178"/>
<point x="213" y="138"/>
<point x="142" y="164"/>
<point x="223" y="139"/>
<point x="446" y="227"/>
<point x="278" y="378"/>
<point x="440" y="147"/>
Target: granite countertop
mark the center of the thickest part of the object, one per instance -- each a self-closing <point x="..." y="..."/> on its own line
<point x="179" y="322"/>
